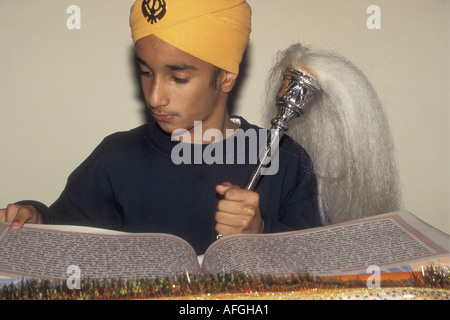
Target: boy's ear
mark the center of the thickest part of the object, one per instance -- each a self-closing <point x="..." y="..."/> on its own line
<point x="227" y="81"/>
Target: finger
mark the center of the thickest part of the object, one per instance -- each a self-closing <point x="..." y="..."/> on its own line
<point x="25" y="214"/>
<point x="226" y="230"/>
<point x="227" y="184"/>
<point x="222" y="188"/>
<point x="3" y="215"/>
<point x="236" y="208"/>
<point x="11" y="211"/>
<point x="231" y="220"/>
<point x="247" y="196"/>
<point x="232" y="207"/>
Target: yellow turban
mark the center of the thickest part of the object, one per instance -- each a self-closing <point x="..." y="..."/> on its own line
<point x="215" y="31"/>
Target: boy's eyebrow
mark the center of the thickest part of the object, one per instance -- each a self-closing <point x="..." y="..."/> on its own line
<point x="140" y="60"/>
<point x="173" y="67"/>
<point x="180" y="67"/>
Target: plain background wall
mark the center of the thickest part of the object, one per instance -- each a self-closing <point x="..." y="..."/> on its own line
<point x="62" y="91"/>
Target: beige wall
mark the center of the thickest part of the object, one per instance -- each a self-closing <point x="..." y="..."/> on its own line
<point x="63" y="90"/>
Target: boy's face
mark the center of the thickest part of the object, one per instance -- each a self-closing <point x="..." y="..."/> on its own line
<point x="177" y="87"/>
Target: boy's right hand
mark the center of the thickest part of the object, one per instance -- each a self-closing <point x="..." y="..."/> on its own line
<point x="18" y="215"/>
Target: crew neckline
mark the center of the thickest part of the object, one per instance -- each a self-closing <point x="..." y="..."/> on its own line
<point x="162" y="142"/>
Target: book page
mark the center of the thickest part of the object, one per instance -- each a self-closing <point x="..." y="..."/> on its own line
<point x="393" y="242"/>
<point x="48" y="251"/>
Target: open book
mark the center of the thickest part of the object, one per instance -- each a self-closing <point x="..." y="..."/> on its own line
<point x="394" y="242"/>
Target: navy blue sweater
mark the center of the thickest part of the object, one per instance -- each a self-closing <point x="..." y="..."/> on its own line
<point x="130" y="183"/>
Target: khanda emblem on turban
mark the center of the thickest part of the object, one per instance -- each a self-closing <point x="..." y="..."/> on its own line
<point x="154" y="10"/>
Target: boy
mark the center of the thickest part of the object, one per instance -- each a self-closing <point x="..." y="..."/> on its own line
<point x="189" y="54"/>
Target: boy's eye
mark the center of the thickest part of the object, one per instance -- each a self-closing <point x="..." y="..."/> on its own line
<point x="180" y="80"/>
<point x="145" y="73"/>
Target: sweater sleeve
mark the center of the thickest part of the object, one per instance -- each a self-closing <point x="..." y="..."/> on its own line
<point x="301" y="215"/>
<point x="88" y="198"/>
<point x="39" y="206"/>
<point x="297" y="206"/>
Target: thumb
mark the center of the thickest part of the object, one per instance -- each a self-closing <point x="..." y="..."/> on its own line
<point x="25" y="214"/>
<point x="222" y="188"/>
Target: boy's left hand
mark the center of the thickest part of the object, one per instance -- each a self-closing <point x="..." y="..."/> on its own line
<point x="238" y="211"/>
